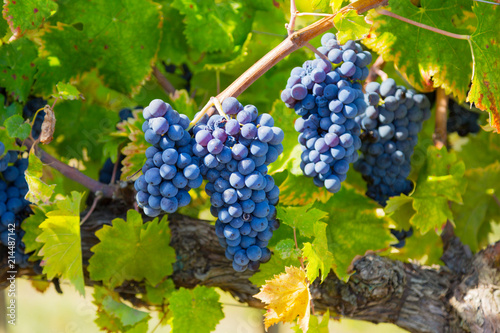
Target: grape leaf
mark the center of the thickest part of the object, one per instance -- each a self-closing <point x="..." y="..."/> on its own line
<point x="300" y="190"/>
<point x="317" y="255"/>
<point x="115" y="316"/>
<point x="120" y="43"/>
<point x="440" y="180"/>
<point x="39" y="191"/>
<point x="31" y="225"/>
<point x="159" y="293"/>
<point x="315" y="326"/>
<point x="354" y="227"/>
<point x="287" y="297"/>
<point x="9" y="142"/>
<point x="125" y="248"/>
<point x="427" y="59"/>
<point x="135" y="150"/>
<point x="485" y="89"/>
<point x="17" y="69"/>
<point x="273" y="267"/>
<point x="195" y="310"/>
<point x="67" y="91"/>
<point x="17" y="128"/>
<point x="173" y="47"/>
<point x="479" y="205"/>
<point x="62" y="250"/>
<point x="286" y="249"/>
<point x="350" y="26"/>
<point x="28" y="14"/>
<point x="478" y="158"/>
<point x="302" y="217"/>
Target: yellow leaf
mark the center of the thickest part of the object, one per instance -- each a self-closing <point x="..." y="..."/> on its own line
<point x="287" y="296"/>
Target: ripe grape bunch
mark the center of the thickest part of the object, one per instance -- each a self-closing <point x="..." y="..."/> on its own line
<point x="13" y="207"/>
<point x="170" y="170"/>
<point x="391" y="124"/>
<point x="235" y="150"/>
<point x="327" y="97"/>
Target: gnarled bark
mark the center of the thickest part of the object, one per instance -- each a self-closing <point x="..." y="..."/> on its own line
<point x="463" y="296"/>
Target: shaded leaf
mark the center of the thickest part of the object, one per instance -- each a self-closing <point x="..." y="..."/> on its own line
<point x="17" y="128"/>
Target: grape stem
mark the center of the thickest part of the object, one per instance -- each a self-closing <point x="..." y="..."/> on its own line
<point x="496" y="199"/>
<point x="203" y="111"/>
<point x="423" y="26"/>
<point x="218" y="106"/>
<point x="71" y="173"/>
<point x="441" y="118"/>
<point x="376" y="70"/>
<point x="92" y="208"/>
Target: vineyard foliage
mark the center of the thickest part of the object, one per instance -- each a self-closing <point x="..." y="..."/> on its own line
<point x="90" y="59"/>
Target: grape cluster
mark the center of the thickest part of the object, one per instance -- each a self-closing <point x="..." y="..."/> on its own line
<point x="461" y="120"/>
<point x="391" y="124"/>
<point x="328" y="99"/>
<point x="170" y="170"/>
<point x="30" y="109"/>
<point x="13" y="207"/>
<point x="234" y="154"/>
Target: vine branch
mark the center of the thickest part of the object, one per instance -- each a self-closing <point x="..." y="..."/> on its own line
<point x="71" y="173"/>
<point x="165" y="83"/>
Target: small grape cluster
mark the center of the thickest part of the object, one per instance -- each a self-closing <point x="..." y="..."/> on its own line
<point x="235" y="150"/>
<point x="401" y="236"/>
<point x="461" y="120"/>
<point x="391" y="124"/>
<point x="328" y="99"/>
<point x="170" y="170"/>
<point x="30" y="109"/>
<point x="13" y="207"/>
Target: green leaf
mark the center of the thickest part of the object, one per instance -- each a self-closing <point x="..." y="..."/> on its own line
<point x="440" y="180"/>
<point x="125" y="248"/>
<point x="62" y="249"/>
<point x="17" y="69"/>
<point x="135" y="150"/>
<point x="17" y="128"/>
<point x="9" y="142"/>
<point x="121" y="44"/>
<point x="427" y="59"/>
<point x="31" y="225"/>
<point x="39" y="191"/>
<point x="28" y="14"/>
<point x="303" y="218"/>
<point x="195" y="310"/>
<point x="355" y="225"/>
<point x="173" y="48"/>
<point x="273" y="267"/>
<point x="115" y="316"/>
<point x="485" y="89"/>
<point x="160" y="293"/>
<point x="286" y="249"/>
<point x="67" y="91"/>
<point x="317" y="255"/>
<point x="315" y="326"/>
<point x="479" y="158"/>
<point x="351" y="26"/>
<point x="479" y="205"/>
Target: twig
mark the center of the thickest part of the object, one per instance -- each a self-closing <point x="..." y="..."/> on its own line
<point x="92" y="208"/>
<point x="441" y="110"/>
<point x="315" y="50"/>
<point x="421" y="25"/>
<point x="217" y="80"/>
<point x="314" y="14"/>
<point x="165" y="83"/>
<point x="72" y="173"/>
<point x="115" y="167"/>
<point x="218" y="106"/>
<point x="496" y="199"/>
<point x="200" y="115"/>
<point x="376" y="70"/>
